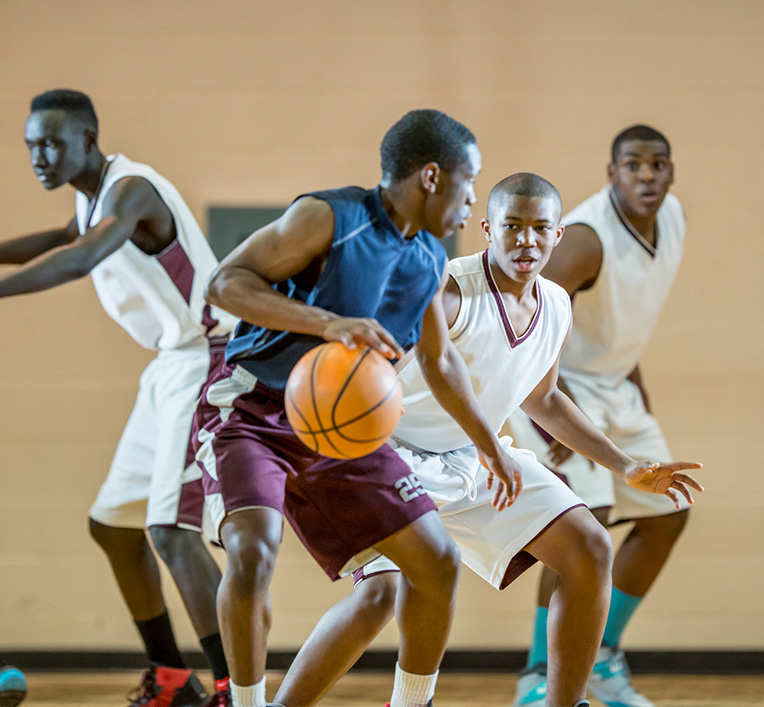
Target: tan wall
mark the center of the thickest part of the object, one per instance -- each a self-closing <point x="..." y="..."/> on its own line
<point x="244" y="102"/>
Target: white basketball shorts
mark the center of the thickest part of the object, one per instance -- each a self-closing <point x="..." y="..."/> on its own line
<point x="153" y="479"/>
<point x="491" y="542"/>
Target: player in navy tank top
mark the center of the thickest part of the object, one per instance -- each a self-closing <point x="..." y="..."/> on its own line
<point x="361" y="267"/>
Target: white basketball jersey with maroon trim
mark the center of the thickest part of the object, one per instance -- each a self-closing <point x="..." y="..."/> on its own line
<point x="504" y="367"/>
<point x="613" y="320"/>
<point x="158" y="299"/>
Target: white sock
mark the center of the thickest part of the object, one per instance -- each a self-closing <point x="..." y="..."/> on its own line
<point x="411" y="690"/>
<point x="249" y="695"/>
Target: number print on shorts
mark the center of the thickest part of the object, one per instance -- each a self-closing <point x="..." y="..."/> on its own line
<point x="409" y="487"/>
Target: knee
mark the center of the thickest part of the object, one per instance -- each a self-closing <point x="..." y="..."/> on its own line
<point x="591" y="558"/>
<point x="107" y="536"/>
<point x="250" y="562"/>
<point x="662" y="530"/>
<point x="441" y="571"/>
<point x="376" y="595"/>
<point x="173" y="544"/>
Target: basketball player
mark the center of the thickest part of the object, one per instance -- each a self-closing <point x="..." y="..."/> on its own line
<point x="618" y="262"/>
<point x="148" y="259"/>
<point x="362" y="267"/>
<point x="509" y="325"/>
<point x="13" y="685"/>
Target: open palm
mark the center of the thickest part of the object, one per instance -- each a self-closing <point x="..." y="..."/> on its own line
<point x="665" y="478"/>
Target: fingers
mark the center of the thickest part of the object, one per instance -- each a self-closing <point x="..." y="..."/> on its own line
<point x="674" y="496"/>
<point x="679" y="466"/>
<point x="683" y="490"/>
<point x="489" y="480"/>
<point x="558" y="453"/>
<point x="689" y="480"/>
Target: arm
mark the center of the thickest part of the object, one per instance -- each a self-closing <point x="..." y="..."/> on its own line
<point x="128" y="202"/>
<point x="636" y="377"/>
<point x="447" y="376"/>
<point x="557" y="414"/>
<point x="576" y="260"/>
<point x="242" y="282"/>
<point x="17" y="251"/>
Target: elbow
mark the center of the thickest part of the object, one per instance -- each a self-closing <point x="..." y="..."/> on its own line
<point x="214" y="288"/>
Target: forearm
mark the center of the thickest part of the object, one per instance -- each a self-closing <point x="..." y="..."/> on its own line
<point x="560" y="417"/>
<point x="252" y="299"/>
<point x="17" y="251"/>
<point x="56" y="267"/>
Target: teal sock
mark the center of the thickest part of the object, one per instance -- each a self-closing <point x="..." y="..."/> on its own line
<point x="622" y="606"/>
<point x="538" y="650"/>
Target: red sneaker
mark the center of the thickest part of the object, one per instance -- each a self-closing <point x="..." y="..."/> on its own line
<point x="168" y="687"/>
<point x="222" y="696"/>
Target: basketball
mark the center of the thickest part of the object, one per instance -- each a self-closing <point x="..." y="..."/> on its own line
<point x="343" y="403"/>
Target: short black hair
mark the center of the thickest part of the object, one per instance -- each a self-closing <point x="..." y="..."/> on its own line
<point x="423" y="136"/>
<point x="524" y="184"/>
<point x="76" y="103"/>
<point x="637" y="132"/>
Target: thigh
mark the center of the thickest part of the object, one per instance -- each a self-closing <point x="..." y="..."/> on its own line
<point x="122" y="499"/>
<point x="491" y="542"/>
<point x="342" y="509"/>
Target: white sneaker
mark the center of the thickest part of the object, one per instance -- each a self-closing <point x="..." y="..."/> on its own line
<point x="610" y="681"/>
<point x="531" y="687"/>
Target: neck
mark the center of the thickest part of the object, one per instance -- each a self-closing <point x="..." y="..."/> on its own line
<point x="398" y="204"/>
<point x="89" y="180"/>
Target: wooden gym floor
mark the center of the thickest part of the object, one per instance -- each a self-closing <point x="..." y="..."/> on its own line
<point x="373" y="689"/>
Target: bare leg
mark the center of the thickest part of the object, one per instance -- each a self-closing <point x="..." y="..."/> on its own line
<point x="135" y="568"/>
<point x="429" y="563"/>
<point x="578" y="550"/>
<point x="196" y="574"/>
<point x="645" y="550"/>
<point x="339" y="638"/>
<point x="251" y="539"/>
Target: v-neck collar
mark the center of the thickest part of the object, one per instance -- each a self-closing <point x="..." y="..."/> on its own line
<point x="513" y="339"/>
<point x="649" y="247"/>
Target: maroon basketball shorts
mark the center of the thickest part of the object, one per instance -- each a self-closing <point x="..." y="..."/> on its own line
<point x="251" y="458"/>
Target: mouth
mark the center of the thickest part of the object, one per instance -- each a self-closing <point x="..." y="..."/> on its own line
<point x="525" y="263"/>
<point x="649" y="197"/>
<point x="45" y="177"/>
<point x="464" y="220"/>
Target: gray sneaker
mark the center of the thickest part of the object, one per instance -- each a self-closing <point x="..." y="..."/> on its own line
<point x="610" y="681"/>
<point x="531" y="687"/>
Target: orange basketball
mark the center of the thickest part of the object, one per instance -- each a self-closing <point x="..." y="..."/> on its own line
<point x="343" y="403"/>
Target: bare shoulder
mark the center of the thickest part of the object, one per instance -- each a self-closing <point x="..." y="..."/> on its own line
<point x="576" y="261"/>
<point x="133" y="195"/>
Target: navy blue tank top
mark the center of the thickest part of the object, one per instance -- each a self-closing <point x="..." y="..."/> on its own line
<point x="371" y="271"/>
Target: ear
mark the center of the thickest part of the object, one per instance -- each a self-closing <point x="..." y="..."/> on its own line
<point x="430" y="177"/>
<point x="560" y="232"/>
<point x="485" y="224"/>
<point x="91" y="138"/>
<point x="611" y="172"/>
<point x="671" y="172"/>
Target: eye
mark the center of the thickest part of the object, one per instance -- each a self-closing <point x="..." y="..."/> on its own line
<point x="542" y="229"/>
<point x="511" y="226"/>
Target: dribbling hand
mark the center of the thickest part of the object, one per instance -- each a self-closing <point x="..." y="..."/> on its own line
<point x="354" y="332"/>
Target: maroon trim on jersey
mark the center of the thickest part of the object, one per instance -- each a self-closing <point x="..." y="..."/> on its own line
<point x="523" y="560"/>
<point x="514" y="340"/>
<point x="178" y="266"/>
<point x="633" y="232"/>
<point x="208" y="321"/>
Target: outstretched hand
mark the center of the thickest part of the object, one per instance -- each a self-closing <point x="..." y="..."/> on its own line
<point x="664" y="478"/>
<point x="504" y="473"/>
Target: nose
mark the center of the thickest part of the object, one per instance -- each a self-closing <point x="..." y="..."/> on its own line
<point x="526" y="238"/>
<point x="646" y="173"/>
<point x="37" y="156"/>
<point x="471" y="197"/>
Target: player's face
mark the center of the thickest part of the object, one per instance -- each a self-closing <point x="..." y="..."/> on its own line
<point x="641" y="176"/>
<point x="451" y="205"/>
<point x="522" y="232"/>
<point x="57" y="147"/>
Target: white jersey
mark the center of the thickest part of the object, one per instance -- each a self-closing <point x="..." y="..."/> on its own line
<point x="504" y="368"/>
<point x="613" y="320"/>
<point x="158" y="299"/>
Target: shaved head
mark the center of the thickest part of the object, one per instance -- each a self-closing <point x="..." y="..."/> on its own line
<point x="522" y="184"/>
